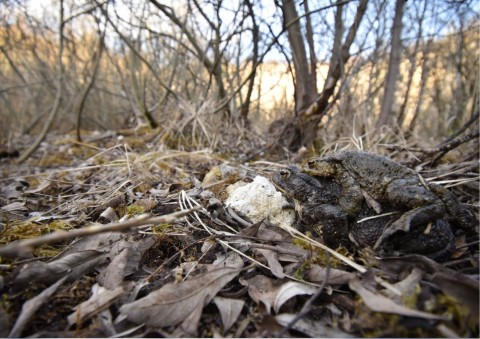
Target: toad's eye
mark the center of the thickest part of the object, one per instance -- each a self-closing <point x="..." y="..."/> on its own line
<point x="311" y="162"/>
<point x="284" y="173"/>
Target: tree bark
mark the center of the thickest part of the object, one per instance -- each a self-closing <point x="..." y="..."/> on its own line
<point x="393" y="67"/>
<point x="256" y="38"/>
<point x="58" y="96"/>
<point x="340" y="55"/>
<point x="413" y="65"/>
<point x="423" y="86"/>
<point x="311" y="47"/>
<point x="304" y="91"/>
<point x="97" y="56"/>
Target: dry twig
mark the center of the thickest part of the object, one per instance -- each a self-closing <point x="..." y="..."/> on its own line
<point x="25" y="246"/>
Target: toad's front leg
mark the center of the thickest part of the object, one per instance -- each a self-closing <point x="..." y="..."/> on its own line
<point x="330" y="222"/>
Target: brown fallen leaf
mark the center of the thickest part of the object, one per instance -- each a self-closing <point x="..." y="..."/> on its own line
<point x="289" y="290"/>
<point x="313" y="328"/>
<point x="112" y="276"/>
<point x="317" y="274"/>
<point x="229" y="309"/>
<point x="189" y="327"/>
<point x="272" y="260"/>
<point x="125" y="257"/>
<point x="406" y="286"/>
<point x="274" y="293"/>
<point x="99" y="300"/>
<point x="453" y="283"/>
<point x="99" y="242"/>
<point x="173" y="303"/>
<point x="16" y="206"/>
<point x="462" y="288"/>
<point x="47" y="187"/>
<point x="31" y="306"/>
<point x="74" y="265"/>
<point x="379" y="303"/>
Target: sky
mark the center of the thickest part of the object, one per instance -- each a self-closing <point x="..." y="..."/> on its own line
<point x="269" y="18"/>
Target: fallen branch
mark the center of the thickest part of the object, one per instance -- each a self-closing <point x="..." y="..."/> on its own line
<point x="20" y="248"/>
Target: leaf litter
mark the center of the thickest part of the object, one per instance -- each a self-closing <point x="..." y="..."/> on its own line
<point x="77" y="243"/>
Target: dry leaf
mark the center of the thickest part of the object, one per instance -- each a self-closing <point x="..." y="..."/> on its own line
<point x="109" y="214"/>
<point x="406" y="286"/>
<point x="173" y="303"/>
<point x="99" y="300"/>
<point x="31" y="306"/>
<point x="75" y="265"/>
<point x="453" y="283"/>
<point x="273" y="293"/>
<point x="289" y="290"/>
<point x="379" y="303"/>
<point x="312" y="327"/>
<point x="273" y="263"/>
<point x="101" y="241"/>
<point x="229" y="309"/>
<point x="317" y="274"/>
<point x="464" y="289"/>
<point x="262" y="290"/>
<point x="112" y="276"/>
<point x="136" y="250"/>
<point x="189" y="327"/>
<point x="16" y="206"/>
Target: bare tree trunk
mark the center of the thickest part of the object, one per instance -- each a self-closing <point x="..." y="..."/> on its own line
<point x="256" y="38"/>
<point x="58" y="97"/>
<point x="393" y="66"/>
<point x="304" y="91"/>
<point x="311" y="47"/>
<point x="423" y="86"/>
<point x="83" y="98"/>
<point x="413" y="65"/>
<point x="460" y="95"/>
<point x="340" y="56"/>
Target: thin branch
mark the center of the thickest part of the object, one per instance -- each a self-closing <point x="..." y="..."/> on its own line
<point x="25" y="246"/>
<point x="58" y="97"/>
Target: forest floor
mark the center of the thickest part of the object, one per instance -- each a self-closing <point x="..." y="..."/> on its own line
<point x="121" y="236"/>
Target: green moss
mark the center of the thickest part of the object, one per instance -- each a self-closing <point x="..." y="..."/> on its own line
<point x="299" y="273"/>
<point x="320" y="256"/>
<point x="133" y="210"/>
<point x="160" y="229"/>
<point x="30" y="229"/>
<point x="377" y="324"/>
<point x="46" y="251"/>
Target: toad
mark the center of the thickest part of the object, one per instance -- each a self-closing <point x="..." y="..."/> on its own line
<point x="316" y="203"/>
<point x="379" y="181"/>
<point x="320" y="198"/>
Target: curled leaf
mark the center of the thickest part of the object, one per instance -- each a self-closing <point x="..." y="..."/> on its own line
<point x="173" y="303"/>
